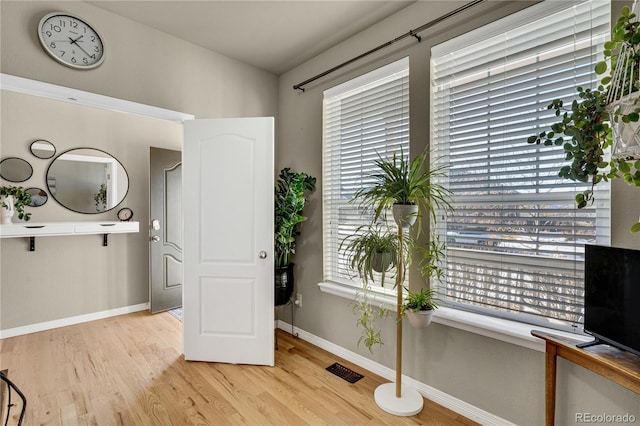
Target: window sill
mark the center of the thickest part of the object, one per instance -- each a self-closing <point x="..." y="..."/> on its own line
<point x="496" y="328"/>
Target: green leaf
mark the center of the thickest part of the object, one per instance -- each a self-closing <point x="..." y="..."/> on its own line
<point x="601" y="67"/>
<point x="635" y="227"/>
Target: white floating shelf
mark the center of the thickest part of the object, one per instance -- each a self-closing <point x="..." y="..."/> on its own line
<point x="57" y="229"/>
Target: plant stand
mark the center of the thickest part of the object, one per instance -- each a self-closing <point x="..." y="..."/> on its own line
<point x="393" y="397"/>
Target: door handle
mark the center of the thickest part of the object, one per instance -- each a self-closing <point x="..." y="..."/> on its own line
<point x="155" y="239"/>
<point x="262" y="254"/>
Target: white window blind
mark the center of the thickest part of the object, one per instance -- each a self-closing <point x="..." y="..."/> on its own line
<point x="515" y="240"/>
<point x="362" y="118"/>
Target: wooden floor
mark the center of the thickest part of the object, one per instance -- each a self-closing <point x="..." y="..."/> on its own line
<point x="128" y="370"/>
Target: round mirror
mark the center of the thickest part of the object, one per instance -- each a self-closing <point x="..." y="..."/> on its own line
<point x="38" y="196"/>
<point x="42" y="149"/>
<point x="15" y="169"/>
<point x="87" y="180"/>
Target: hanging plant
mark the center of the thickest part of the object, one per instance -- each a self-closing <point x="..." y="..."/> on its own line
<point x="374" y="248"/>
<point x="585" y="134"/>
<point x="588" y="128"/>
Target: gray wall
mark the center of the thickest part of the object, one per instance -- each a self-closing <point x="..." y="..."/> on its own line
<point x="498" y="377"/>
<point x="68" y="276"/>
<point x="157" y="69"/>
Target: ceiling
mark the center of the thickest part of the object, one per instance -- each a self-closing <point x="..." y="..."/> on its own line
<point x="272" y="35"/>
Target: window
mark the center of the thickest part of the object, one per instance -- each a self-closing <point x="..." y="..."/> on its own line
<point x="362" y="118"/>
<point x="515" y="240"/>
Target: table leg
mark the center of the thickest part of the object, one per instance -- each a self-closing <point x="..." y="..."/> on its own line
<point x="550" y="383"/>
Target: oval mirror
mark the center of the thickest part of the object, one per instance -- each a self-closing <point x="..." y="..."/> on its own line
<point x="15" y="169"/>
<point x="87" y="180"/>
<point x="38" y="196"/>
<point x="42" y="149"/>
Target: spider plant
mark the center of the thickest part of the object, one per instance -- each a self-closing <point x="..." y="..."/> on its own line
<point x="400" y="181"/>
<point x="424" y="300"/>
<point x="367" y="316"/>
<point x="371" y="248"/>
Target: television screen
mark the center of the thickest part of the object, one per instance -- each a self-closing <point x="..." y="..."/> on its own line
<point x="612" y="296"/>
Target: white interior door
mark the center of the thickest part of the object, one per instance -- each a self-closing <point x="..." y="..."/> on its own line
<point x="228" y="240"/>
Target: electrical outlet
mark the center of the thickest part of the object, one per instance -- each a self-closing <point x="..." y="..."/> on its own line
<point x="298" y="301"/>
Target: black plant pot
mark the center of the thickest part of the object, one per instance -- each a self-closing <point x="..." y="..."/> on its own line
<point x="283" y="284"/>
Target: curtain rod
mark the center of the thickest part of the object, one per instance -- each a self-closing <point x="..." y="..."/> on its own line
<point x="411" y="33"/>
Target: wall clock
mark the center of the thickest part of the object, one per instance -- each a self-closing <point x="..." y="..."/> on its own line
<point x="70" y="41"/>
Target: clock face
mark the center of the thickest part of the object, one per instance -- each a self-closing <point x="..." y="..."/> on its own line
<point x="70" y="41"/>
<point x="125" y="214"/>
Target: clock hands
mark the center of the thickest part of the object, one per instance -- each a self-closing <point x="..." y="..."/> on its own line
<point x="79" y="47"/>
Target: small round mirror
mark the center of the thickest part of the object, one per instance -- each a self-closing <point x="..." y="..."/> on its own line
<point x="15" y="169"/>
<point x="38" y="196"/>
<point x="87" y="180"/>
<point x="42" y="149"/>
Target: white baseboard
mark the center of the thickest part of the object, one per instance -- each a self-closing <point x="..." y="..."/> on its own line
<point x="63" y="322"/>
<point x="469" y="411"/>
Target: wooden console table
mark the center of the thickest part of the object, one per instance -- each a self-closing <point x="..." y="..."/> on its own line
<point x="620" y="366"/>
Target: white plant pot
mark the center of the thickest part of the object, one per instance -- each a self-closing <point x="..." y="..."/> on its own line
<point x="420" y="319"/>
<point x="405" y="215"/>
<point x="7" y="208"/>
<point x="626" y="136"/>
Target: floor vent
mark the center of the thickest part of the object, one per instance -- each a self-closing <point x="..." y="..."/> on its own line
<point x="344" y="372"/>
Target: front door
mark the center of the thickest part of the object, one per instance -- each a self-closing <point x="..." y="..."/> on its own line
<point x="165" y="250"/>
<point x="228" y="234"/>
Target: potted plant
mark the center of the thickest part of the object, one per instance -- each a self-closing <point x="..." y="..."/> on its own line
<point x="289" y="202"/>
<point x="603" y="117"/>
<point x="14" y="199"/>
<point x="419" y="307"/>
<point x="406" y="187"/>
<point x="372" y="248"/>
